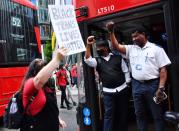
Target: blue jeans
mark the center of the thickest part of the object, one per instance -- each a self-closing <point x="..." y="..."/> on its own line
<point x="116" y="110"/>
<point x="143" y="94"/>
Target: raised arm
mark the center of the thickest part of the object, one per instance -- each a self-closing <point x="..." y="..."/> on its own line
<point x="45" y="73"/>
<point x="90" y="41"/>
<point x="121" y="48"/>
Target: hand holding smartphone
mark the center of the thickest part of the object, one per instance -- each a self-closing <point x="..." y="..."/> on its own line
<point x="158" y="100"/>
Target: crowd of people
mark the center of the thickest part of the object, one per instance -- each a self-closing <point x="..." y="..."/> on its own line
<point x="147" y="74"/>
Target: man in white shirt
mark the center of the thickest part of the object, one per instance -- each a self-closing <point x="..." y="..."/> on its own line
<point x="114" y="75"/>
<point x="148" y="66"/>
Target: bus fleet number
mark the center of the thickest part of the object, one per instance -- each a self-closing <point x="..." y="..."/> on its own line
<point x="106" y="9"/>
<point x="16" y="21"/>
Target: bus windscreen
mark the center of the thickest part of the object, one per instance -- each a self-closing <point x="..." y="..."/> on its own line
<point x="18" y="44"/>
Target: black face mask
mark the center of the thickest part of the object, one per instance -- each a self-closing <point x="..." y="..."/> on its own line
<point x="100" y="52"/>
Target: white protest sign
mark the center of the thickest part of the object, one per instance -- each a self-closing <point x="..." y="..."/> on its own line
<point x="66" y="29"/>
<point x="59" y="2"/>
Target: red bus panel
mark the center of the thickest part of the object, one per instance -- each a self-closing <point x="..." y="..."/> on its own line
<point x="10" y="81"/>
<point x="103" y="7"/>
<point x="37" y="34"/>
<point x="26" y="3"/>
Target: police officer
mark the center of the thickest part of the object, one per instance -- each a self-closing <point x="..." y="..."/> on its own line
<point x="148" y="66"/>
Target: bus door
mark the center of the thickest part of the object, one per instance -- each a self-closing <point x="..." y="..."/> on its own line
<point x="89" y="117"/>
<point x="153" y="19"/>
<point x="86" y="111"/>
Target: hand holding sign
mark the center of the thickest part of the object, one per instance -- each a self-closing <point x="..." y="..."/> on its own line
<point x="66" y="28"/>
<point x="60" y="53"/>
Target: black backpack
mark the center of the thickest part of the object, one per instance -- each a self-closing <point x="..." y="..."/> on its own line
<point x="14" y="112"/>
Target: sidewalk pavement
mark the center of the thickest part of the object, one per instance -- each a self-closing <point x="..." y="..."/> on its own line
<point x="73" y="90"/>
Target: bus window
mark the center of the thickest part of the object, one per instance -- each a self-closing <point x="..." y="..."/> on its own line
<point x="18" y="41"/>
<point x="80" y="79"/>
<point x="76" y="62"/>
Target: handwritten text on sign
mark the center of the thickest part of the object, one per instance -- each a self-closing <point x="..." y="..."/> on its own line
<point x="66" y="28"/>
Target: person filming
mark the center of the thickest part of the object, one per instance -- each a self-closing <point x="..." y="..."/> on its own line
<point x="148" y="63"/>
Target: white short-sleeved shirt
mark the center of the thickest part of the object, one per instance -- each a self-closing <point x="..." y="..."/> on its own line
<point x="145" y="62"/>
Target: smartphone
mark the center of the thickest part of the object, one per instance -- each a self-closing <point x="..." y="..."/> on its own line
<point x="164" y="97"/>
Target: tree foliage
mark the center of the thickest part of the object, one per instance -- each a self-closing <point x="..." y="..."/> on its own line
<point x="48" y="51"/>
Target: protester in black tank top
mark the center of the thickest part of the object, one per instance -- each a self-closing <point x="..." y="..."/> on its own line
<point x="42" y="113"/>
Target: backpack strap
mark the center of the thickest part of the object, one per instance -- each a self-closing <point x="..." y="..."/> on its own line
<point x="29" y="102"/>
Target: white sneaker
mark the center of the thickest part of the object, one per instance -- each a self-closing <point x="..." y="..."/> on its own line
<point x="74" y="86"/>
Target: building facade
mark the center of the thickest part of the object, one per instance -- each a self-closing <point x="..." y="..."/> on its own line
<point x="43" y="18"/>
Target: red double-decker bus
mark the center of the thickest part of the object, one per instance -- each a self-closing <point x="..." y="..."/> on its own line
<point x="19" y="44"/>
<point x="159" y="17"/>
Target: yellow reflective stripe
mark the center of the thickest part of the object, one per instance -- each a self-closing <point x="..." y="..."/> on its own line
<point x="53" y="40"/>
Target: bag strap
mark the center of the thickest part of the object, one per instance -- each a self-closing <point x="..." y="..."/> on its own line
<point x="29" y="102"/>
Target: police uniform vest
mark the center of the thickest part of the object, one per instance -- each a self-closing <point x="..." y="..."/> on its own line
<point x="110" y="72"/>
